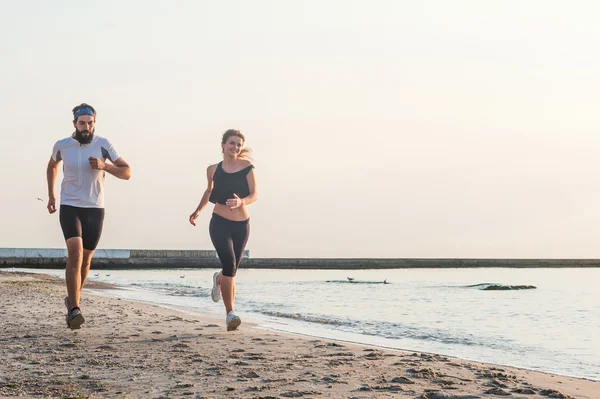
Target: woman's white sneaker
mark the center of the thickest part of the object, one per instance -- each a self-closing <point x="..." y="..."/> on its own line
<point x="233" y="321"/>
<point x="216" y="289"/>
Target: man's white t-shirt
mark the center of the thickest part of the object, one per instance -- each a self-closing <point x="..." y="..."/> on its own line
<point x="83" y="186"/>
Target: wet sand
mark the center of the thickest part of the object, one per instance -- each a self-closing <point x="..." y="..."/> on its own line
<point x="134" y="350"/>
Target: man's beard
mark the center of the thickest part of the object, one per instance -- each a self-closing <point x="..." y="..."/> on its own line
<point x="84" y="139"/>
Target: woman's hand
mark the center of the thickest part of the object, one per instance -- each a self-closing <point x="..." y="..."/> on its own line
<point x="234" y="202"/>
<point x="194" y="216"/>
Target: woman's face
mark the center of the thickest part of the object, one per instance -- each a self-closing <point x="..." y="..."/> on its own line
<point x="233" y="146"/>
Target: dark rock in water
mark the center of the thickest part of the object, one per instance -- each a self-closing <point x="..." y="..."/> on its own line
<point x="496" y="287"/>
<point x="481" y="285"/>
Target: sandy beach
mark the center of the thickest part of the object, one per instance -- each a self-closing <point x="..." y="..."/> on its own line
<point x="134" y="350"/>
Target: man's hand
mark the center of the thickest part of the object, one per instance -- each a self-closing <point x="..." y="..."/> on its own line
<point x="51" y="205"/>
<point x="95" y="163"/>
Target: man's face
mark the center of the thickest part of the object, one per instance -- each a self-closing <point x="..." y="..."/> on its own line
<point x="84" y="128"/>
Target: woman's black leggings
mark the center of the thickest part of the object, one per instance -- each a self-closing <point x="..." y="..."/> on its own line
<point x="229" y="238"/>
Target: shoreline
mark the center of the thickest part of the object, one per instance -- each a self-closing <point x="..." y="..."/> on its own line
<point x="137" y="350"/>
<point x="391" y="348"/>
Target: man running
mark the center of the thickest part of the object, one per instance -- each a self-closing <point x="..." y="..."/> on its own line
<point x="84" y="158"/>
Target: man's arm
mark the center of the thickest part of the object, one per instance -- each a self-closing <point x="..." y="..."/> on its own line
<point x="51" y="173"/>
<point x="119" y="168"/>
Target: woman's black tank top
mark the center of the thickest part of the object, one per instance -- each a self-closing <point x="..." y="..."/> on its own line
<point x="226" y="184"/>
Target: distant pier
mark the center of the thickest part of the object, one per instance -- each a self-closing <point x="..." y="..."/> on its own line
<point x="44" y="258"/>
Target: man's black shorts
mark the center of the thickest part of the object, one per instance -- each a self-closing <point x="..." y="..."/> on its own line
<point x="82" y="222"/>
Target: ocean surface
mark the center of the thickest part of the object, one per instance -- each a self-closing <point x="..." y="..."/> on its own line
<point x="552" y="328"/>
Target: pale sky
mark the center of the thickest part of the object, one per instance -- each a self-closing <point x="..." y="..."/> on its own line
<point x="379" y="128"/>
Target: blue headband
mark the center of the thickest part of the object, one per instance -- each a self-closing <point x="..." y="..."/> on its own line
<point x="83" y="111"/>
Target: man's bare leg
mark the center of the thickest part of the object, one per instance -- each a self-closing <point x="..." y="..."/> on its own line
<point x="85" y="268"/>
<point x="73" y="272"/>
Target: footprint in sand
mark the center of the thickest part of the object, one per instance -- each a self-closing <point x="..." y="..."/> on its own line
<point x="402" y="380"/>
<point x="497" y="391"/>
<point x="551" y="393"/>
<point x="424" y="373"/>
<point x="437" y="395"/>
<point x="524" y="391"/>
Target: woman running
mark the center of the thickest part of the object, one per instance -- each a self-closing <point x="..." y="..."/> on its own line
<point x="231" y="187"/>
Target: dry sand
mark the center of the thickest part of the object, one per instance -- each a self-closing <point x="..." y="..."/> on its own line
<point x="133" y="350"/>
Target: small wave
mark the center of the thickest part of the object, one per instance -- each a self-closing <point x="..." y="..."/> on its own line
<point x="187" y="293"/>
<point x="500" y="287"/>
<point x="173" y="289"/>
<point x="357" y="282"/>
<point x="509" y="287"/>
<point x="161" y="285"/>
<point x="308" y="318"/>
<point x="390" y="330"/>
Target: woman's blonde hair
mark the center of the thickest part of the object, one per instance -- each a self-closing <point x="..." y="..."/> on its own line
<point x="245" y="153"/>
